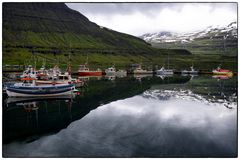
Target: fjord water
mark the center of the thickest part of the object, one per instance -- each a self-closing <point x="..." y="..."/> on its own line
<point x="178" y="116"/>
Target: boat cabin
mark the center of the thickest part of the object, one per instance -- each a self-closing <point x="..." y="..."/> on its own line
<point x="83" y="68"/>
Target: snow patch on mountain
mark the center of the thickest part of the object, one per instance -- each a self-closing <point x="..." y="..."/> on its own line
<point x="210" y="32"/>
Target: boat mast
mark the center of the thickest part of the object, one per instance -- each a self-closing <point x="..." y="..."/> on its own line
<point x="168" y="60"/>
<point x="224" y="44"/>
<point x="86" y="63"/>
<point x="69" y="60"/>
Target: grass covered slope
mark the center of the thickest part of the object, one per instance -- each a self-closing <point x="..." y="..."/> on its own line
<point x="54" y="25"/>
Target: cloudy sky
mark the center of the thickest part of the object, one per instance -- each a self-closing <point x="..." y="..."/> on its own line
<point x="140" y="18"/>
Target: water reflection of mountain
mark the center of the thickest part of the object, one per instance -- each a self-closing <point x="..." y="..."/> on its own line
<point x="215" y="90"/>
<point x="52" y="115"/>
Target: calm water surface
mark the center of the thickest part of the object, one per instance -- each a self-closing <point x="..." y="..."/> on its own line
<point x="139" y="116"/>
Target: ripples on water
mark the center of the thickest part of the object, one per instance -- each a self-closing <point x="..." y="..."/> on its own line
<point x="156" y="123"/>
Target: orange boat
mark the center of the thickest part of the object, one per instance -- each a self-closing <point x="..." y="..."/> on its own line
<point x="220" y="71"/>
<point x="84" y="71"/>
<point x="27" y="79"/>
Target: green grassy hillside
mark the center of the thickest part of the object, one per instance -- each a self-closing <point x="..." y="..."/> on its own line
<point x="54" y="26"/>
<point x="205" y="45"/>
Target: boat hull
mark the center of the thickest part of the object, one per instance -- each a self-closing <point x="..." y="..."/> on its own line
<point x="93" y="73"/>
<point x="51" y="82"/>
<point x="110" y="73"/>
<point x="142" y="72"/>
<point x="39" y="91"/>
<point x="77" y="84"/>
<point x="165" y="72"/>
<point x="222" y="73"/>
<point x="189" y="72"/>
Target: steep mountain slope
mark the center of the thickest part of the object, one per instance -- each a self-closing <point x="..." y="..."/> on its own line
<point x="47" y="27"/>
<point x="213" y="39"/>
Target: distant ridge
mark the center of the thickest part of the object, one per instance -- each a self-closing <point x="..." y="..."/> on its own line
<point x="213" y="39"/>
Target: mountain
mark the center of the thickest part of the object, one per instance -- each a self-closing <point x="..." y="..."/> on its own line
<point x="211" y="40"/>
<point x="53" y="27"/>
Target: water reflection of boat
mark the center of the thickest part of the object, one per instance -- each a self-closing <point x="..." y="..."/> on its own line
<point x="140" y="76"/>
<point x="164" y="76"/>
<point x="29" y="106"/>
<point x="111" y="78"/>
<point x="222" y="76"/>
<point x="191" y="75"/>
<point x="87" y="78"/>
<point x="11" y="100"/>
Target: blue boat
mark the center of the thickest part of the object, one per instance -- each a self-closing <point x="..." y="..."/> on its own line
<point x="31" y="90"/>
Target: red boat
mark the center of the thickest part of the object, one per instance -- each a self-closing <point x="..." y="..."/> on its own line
<point x="220" y="71"/>
<point x="84" y="71"/>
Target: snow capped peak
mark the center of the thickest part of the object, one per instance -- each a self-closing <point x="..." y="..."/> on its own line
<point x="187" y="37"/>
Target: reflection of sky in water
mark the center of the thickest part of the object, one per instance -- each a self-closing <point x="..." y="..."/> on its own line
<point x="142" y="127"/>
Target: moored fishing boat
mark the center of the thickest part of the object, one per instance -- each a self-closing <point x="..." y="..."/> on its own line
<point x="192" y="71"/>
<point x="84" y="71"/>
<point x="139" y="70"/>
<point x="220" y="71"/>
<point x="33" y="90"/>
<point x="29" y="72"/>
<point x="121" y="73"/>
<point x="54" y="72"/>
<point x="42" y="73"/>
<point x="164" y="71"/>
<point x="77" y="82"/>
<point x="110" y="71"/>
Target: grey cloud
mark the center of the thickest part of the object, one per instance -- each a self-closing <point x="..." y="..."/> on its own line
<point x="147" y="8"/>
<point x="121" y="8"/>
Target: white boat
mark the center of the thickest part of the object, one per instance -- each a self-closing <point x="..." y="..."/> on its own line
<point x="33" y="90"/>
<point x="29" y="72"/>
<point x="139" y="70"/>
<point x="54" y="72"/>
<point x="164" y="71"/>
<point x="192" y="71"/>
<point x="42" y="73"/>
<point x="121" y="73"/>
<point x="110" y="71"/>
